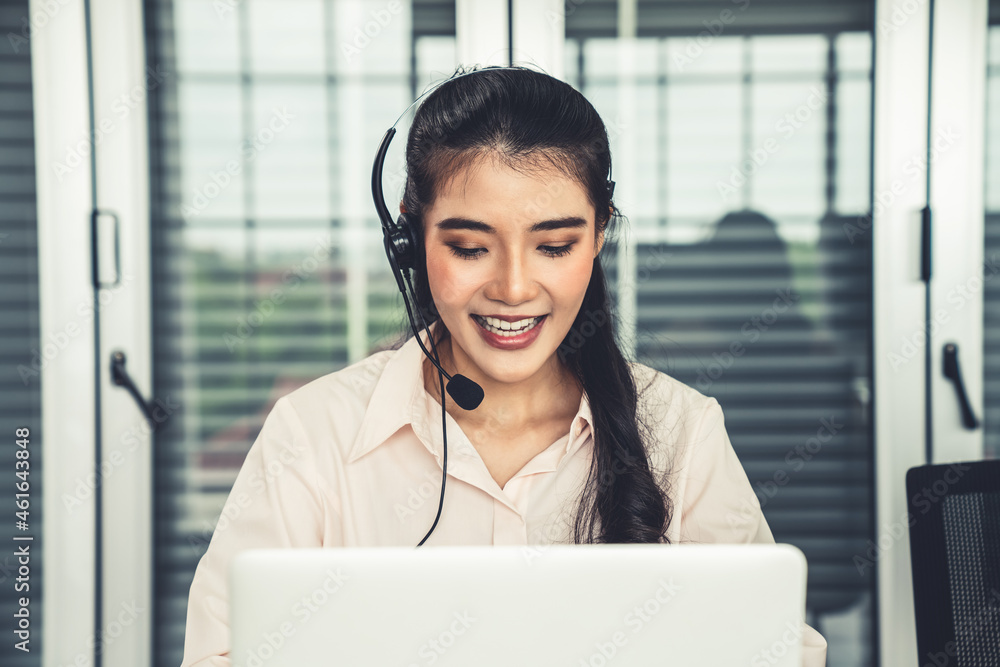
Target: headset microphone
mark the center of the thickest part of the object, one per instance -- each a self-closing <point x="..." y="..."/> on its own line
<point x="401" y="248"/>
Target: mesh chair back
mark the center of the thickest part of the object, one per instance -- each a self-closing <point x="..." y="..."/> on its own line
<point x="955" y="556"/>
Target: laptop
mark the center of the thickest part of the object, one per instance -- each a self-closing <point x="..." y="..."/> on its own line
<point x="607" y="605"/>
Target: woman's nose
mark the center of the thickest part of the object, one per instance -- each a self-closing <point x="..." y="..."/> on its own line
<point x="513" y="283"/>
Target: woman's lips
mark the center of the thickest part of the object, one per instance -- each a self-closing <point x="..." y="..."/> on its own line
<point x="517" y="342"/>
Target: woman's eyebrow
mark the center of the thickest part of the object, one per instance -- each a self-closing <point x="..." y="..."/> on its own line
<point x="569" y="222"/>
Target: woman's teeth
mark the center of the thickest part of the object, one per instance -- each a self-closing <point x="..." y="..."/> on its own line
<point x="507" y="329"/>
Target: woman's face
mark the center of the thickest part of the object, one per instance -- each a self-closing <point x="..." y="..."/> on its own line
<point x="515" y="245"/>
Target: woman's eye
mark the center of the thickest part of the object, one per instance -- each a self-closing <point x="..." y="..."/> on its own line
<point x="466" y="253"/>
<point x="473" y="253"/>
<point x="557" y="251"/>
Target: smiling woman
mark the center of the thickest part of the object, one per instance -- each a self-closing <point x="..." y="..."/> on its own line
<point x="508" y="201"/>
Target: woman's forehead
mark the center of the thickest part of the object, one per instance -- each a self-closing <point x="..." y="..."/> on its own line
<point x="490" y="187"/>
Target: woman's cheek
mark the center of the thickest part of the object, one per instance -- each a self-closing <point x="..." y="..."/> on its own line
<point x="579" y="275"/>
<point x="450" y="283"/>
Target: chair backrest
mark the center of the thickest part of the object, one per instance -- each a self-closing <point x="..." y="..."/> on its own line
<point x="955" y="556"/>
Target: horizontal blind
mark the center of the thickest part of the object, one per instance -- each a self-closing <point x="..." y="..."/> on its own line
<point x="668" y="18"/>
<point x="257" y="288"/>
<point x="20" y="345"/>
<point x="991" y="333"/>
<point x="727" y="317"/>
<point x="991" y="249"/>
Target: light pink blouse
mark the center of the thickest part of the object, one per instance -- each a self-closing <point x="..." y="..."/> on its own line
<point x="354" y="459"/>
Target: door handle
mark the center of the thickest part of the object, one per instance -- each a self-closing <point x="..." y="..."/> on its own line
<point x="954" y="373"/>
<point x="121" y="378"/>
<point x="95" y="250"/>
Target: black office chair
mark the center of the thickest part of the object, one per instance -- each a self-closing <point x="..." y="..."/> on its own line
<point x="955" y="557"/>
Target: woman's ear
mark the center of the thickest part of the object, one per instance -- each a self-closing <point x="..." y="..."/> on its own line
<point x="600" y="232"/>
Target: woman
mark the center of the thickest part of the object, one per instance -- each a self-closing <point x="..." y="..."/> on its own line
<point x="506" y="184"/>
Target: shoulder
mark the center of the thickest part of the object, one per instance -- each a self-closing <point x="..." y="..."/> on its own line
<point x="674" y="415"/>
<point x="333" y="405"/>
<point x="663" y="397"/>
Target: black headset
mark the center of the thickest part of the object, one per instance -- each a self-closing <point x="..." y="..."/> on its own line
<point x="402" y="247"/>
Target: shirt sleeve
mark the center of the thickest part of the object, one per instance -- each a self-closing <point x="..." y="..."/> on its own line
<point x="274" y="503"/>
<point x="719" y="505"/>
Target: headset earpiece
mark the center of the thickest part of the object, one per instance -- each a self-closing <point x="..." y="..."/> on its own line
<point x="404" y="242"/>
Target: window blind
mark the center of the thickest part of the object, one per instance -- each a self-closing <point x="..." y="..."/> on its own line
<point x="991" y="249"/>
<point x="670" y="18"/>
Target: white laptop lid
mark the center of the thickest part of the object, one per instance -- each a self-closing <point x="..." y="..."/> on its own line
<point x="610" y="605"/>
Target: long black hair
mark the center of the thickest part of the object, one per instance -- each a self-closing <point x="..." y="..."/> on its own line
<point x="523" y="117"/>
